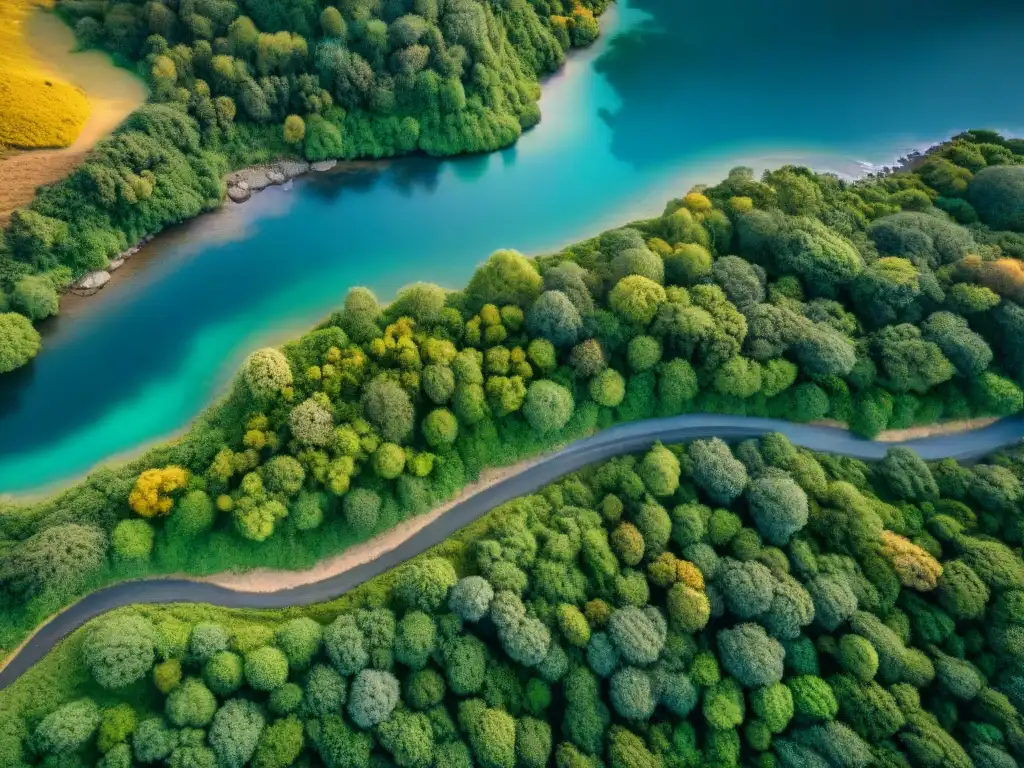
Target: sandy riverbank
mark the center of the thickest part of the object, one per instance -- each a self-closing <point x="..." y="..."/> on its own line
<point x="274" y="580"/>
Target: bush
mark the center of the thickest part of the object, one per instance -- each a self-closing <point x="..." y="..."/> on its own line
<point x="68" y="728"/>
<point x="119" y="650"/>
<point x="266" y="373"/>
<point x="345" y="645"/>
<point x="266" y="668"/>
<point x="117" y="723"/>
<point x="56" y="560"/>
<point x="637" y="636"/>
<point x="688" y="608"/>
<point x="858" y="657"/>
<point x="280" y="744"/>
<point x="778" y="506"/>
<point x="631" y="694"/>
<point x="19" y="341"/>
<point x="636" y="299"/>
<point x="660" y="471"/>
<point x="300" y="640"/>
<point x="507" y="277"/>
<point x="361" y="508"/>
<point x="194" y="515"/>
<point x="235" y="732"/>
<point x="416" y="639"/>
<point x="997" y="194"/>
<point x="425" y="584"/>
<point x="750" y="655"/>
<point x="553" y="317"/>
<point x="608" y="388"/>
<point x="373" y="697"/>
<point x="812" y="697"/>
<point x="470" y="598"/>
<point x="715" y="470"/>
<point x="153" y="741"/>
<point x="389" y="408"/>
<point x="190" y="705"/>
<point x="440" y="428"/>
<point x="132" y="539"/>
<point x="325" y="692"/>
<point x="548" y="406"/>
<point x="224" y="672"/>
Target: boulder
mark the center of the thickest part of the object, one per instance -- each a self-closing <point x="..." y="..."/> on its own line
<point x="239" y="193"/>
<point x="292" y="168"/>
<point x="90" y="283"/>
<point x="275" y="176"/>
<point x="258" y="181"/>
<point x="324" y="165"/>
<point x="115" y="264"/>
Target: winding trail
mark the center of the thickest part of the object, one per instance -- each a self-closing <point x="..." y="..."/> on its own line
<point x="614" y="441"/>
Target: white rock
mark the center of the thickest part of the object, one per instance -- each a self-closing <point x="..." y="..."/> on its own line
<point x="257" y="182"/>
<point x="275" y="176"/>
<point x="115" y="264"/>
<point x="240" y="193"/>
<point x="90" y="283"/>
<point x="324" y="165"/>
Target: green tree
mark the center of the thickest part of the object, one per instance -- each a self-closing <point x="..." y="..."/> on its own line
<point x="19" y="341"/>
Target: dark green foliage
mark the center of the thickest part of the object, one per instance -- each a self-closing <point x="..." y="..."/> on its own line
<point x="997" y="194"/>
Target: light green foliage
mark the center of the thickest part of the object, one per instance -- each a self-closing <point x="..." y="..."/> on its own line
<point x="235" y="732"/>
<point x="190" y="705"/>
<point x="224" y="672"/>
<point x="68" y="728"/>
<point x="426" y="584"/>
<point x="812" y="697"/>
<point x="266" y="668"/>
<point x="300" y="639"/>
<point x="548" y="406"/>
<point x="723" y="705"/>
<point x="858" y="657"/>
<point x="132" y="539"/>
<point x="372" y="698"/>
<point x="119" y="650"/>
<point x="773" y="705"/>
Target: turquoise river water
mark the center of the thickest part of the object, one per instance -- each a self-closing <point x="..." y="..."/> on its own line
<point x="675" y="93"/>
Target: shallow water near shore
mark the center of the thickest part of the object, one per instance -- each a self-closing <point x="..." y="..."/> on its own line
<point x="673" y="94"/>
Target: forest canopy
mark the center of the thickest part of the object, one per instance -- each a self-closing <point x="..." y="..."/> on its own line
<point x="234" y="84"/>
<point x="826" y="612"/>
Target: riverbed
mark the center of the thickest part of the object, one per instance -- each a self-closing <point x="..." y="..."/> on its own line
<point x="675" y="93"/>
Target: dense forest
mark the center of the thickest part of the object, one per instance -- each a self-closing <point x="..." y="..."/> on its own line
<point x="894" y="315"/>
<point x="696" y="606"/>
<point x="239" y="83"/>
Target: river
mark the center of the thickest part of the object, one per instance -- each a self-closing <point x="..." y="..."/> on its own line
<point x="675" y="93"/>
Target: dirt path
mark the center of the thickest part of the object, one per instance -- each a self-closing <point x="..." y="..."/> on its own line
<point x="113" y="94"/>
<point x="273" y="580"/>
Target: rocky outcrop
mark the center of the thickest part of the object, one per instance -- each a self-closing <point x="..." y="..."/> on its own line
<point x="115" y="264"/>
<point x="91" y="283"/>
<point x="324" y="165"/>
<point x="242" y="184"/>
<point x="239" y="193"/>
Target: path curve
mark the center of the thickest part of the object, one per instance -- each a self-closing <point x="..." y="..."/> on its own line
<point x="614" y="441"/>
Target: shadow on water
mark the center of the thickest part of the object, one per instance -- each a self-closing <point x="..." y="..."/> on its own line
<point x="800" y="71"/>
